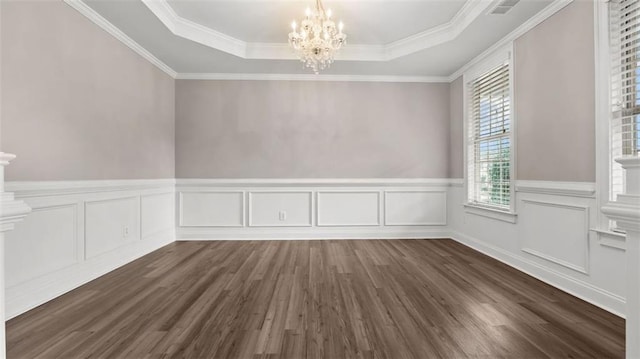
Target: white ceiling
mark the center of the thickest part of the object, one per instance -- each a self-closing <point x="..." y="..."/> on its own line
<point x="387" y="38"/>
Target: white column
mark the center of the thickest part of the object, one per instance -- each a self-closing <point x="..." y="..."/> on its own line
<point x="11" y="212"/>
<point x="626" y="212"/>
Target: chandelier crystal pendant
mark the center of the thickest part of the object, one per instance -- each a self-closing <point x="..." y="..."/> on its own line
<point x="318" y="39"/>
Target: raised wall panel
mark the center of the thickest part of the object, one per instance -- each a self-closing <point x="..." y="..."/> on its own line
<point x="157" y="213"/>
<point x="76" y="233"/>
<point x="415" y="208"/>
<point x="212" y="209"/>
<point x="265" y="209"/>
<point x="110" y="224"/>
<point x="45" y="242"/>
<point x="556" y="232"/>
<point x="348" y="208"/>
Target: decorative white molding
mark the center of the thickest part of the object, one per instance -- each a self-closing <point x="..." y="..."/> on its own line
<point x="188" y="29"/>
<point x="599" y="297"/>
<point x="212" y="222"/>
<point x="30" y="294"/>
<point x="626" y="212"/>
<point x="399" y="48"/>
<point x="320" y="222"/>
<point x="310" y="77"/>
<point x="316" y="182"/>
<point x="51" y="231"/>
<point x="309" y="209"/>
<point x="456" y="182"/>
<point x="155" y="212"/>
<point x="12" y="211"/>
<point x="110" y="206"/>
<point x="557" y="261"/>
<point x="25" y="189"/>
<point x="104" y="24"/>
<point x="421" y="206"/>
<point x="604" y="283"/>
<point x="602" y="76"/>
<point x="611" y="239"/>
<point x="439" y="34"/>
<point x="315" y="233"/>
<point x="571" y="189"/>
<point x="534" y="21"/>
<point x="100" y="234"/>
<point x="585" y="236"/>
<point x="365" y="219"/>
<point x="504" y="216"/>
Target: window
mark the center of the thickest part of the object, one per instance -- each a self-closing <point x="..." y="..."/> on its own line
<point x="624" y="32"/>
<point x="489" y="139"/>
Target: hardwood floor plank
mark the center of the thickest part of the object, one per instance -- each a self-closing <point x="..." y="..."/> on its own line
<point x="316" y="299"/>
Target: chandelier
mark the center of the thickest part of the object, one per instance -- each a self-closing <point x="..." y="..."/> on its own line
<point x="318" y="39"/>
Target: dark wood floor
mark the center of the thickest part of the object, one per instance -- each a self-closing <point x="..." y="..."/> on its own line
<point x="316" y="299"/>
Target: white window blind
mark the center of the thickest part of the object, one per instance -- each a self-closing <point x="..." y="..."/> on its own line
<point x="624" y="32"/>
<point x="489" y="141"/>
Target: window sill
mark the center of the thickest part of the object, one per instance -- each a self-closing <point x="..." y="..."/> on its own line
<point x="505" y="216"/>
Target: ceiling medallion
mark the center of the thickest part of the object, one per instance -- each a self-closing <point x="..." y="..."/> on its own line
<point x="318" y="40"/>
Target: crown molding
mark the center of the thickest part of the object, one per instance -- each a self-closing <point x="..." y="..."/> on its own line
<point x="310" y="77"/>
<point x="104" y="24"/>
<point x="534" y="21"/>
<point x="193" y="31"/>
<point x="439" y="34"/>
<point x="352" y="52"/>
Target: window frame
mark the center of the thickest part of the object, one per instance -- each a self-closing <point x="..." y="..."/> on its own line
<point x="495" y="59"/>
<point x="603" y="117"/>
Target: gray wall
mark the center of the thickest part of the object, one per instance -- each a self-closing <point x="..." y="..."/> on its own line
<point x="554" y="100"/>
<point x="291" y="129"/>
<point x="77" y="103"/>
<point x="555" y="97"/>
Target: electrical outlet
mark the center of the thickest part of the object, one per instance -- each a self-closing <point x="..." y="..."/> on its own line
<point x="125" y="231"/>
<point x="282" y="215"/>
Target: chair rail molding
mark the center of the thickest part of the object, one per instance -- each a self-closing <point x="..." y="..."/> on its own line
<point x="12" y="211"/>
<point x="626" y="212"/>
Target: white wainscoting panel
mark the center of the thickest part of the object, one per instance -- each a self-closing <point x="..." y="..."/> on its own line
<point x="556" y="232"/>
<point x="212" y="209"/>
<point x="110" y="224"/>
<point x="415" y="208"/>
<point x="314" y="208"/>
<point x="280" y="209"/>
<point x="157" y="213"/>
<point x="550" y="240"/>
<point x="348" y="208"/>
<point x="45" y="242"/>
<point x="102" y="219"/>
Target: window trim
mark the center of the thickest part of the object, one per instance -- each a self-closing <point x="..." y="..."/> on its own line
<point x="495" y="59"/>
<point x="602" y="54"/>
<point x="602" y="106"/>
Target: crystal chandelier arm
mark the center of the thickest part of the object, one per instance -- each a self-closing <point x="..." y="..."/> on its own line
<point x="317" y="39"/>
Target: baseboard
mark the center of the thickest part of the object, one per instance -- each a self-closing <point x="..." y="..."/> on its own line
<point x="580" y="289"/>
<point x="184" y="234"/>
<point x="23" y="297"/>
